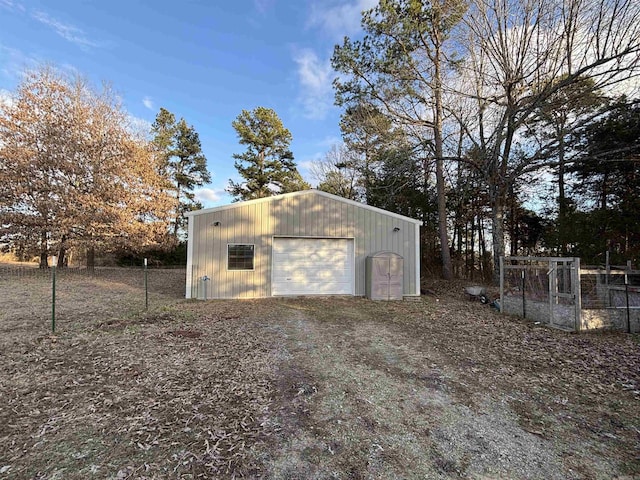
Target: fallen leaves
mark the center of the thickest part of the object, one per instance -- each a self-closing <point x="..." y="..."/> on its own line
<point x="178" y="397"/>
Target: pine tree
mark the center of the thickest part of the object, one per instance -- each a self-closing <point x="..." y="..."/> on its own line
<point x="399" y="69"/>
<point x="267" y="166"/>
<point x="181" y="161"/>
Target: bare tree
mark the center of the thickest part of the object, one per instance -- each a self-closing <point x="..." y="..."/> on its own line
<point x="338" y="173"/>
<point x="520" y="54"/>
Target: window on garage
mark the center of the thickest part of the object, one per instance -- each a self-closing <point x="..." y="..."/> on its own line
<point x="240" y="257"/>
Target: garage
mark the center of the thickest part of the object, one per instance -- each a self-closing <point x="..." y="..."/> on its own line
<point x="313" y="266"/>
<point x="300" y="243"/>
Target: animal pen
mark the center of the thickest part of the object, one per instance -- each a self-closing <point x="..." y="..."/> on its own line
<point x="559" y="292"/>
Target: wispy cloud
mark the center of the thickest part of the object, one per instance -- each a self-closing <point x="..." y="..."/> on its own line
<point x="148" y="103"/>
<point x="329" y="141"/>
<point x="15" y="62"/>
<point x="5" y="97"/>
<point x="12" y="5"/>
<point x="262" y="5"/>
<point x="139" y="126"/>
<point x="209" y="195"/>
<point x="315" y="77"/>
<point x="340" y="19"/>
<point x="67" y="31"/>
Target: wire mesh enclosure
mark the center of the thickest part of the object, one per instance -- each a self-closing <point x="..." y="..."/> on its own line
<point x="544" y="289"/>
<point x="602" y="288"/>
<point x="558" y="292"/>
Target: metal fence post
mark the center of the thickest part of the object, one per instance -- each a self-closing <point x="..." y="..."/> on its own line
<point x="524" y="305"/>
<point x="577" y="293"/>
<point x="54" y="264"/>
<point x="626" y="293"/>
<point x="146" y="286"/>
<point x="501" y="283"/>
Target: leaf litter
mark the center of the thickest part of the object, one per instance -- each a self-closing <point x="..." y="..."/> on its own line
<point x="319" y="388"/>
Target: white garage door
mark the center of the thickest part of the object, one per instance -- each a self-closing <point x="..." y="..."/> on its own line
<point x="312" y="266"/>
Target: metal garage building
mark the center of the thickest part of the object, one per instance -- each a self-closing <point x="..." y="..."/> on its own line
<point x="302" y="243"/>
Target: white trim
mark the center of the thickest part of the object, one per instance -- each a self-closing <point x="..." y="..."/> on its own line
<point x="301" y="193"/>
<point x="417" y="240"/>
<point x="353" y="279"/>
<point x="320" y="237"/>
<point x="190" y="229"/>
<point x="281" y="235"/>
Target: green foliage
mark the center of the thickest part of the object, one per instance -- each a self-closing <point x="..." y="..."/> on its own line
<point x="181" y="161"/>
<point x="393" y="65"/>
<point x="398" y="69"/>
<point x="336" y="183"/>
<point x="267" y="166"/>
<point x="174" y="256"/>
<point x="607" y="185"/>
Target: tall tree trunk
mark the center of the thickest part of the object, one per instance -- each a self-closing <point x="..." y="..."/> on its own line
<point x="466" y="249"/>
<point x="176" y="225"/>
<point x="562" y="202"/>
<point x="44" y="251"/>
<point x="91" y="258"/>
<point x="447" y="273"/>
<point x="472" y="249"/>
<point x="497" y="235"/>
<point x="501" y="183"/>
<point x="482" y="248"/>
<point x="513" y="222"/>
<point x="62" y="252"/>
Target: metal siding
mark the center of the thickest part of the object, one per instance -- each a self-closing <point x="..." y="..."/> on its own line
<point x="206" y="260"/>
<point x="267" y="239"/>
<point x="194" y="252"/>
<point x="334" y="219"/>
<point x="290" y="222"/>
<point x="261" y="271"/>
<point x="232" y="233"/>
<point x="202" y="255"/>
<point x="365" y="246"/>
<point x="303" y="215"/>
<point x="318" y="208"/>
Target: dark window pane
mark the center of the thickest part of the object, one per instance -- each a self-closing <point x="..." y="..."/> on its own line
<point x="240" y="257"/>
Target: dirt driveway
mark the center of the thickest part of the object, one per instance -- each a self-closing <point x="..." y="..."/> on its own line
<point x="450" y="390"/>
<point x="320" y="388"/>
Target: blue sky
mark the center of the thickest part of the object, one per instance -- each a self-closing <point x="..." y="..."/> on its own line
<point x="202" y="60"/>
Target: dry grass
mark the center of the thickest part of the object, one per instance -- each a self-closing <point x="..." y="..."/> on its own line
<point x="82" y="300"/>
<point x="306" y="388"/>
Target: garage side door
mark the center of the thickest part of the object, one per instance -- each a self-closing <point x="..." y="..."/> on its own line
<point x="312" y="266"/>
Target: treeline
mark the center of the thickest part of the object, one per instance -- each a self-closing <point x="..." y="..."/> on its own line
<point x="76" y="175"/>
<point x="507" y="127"/>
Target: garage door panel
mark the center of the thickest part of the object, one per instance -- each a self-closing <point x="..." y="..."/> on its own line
<point x="308" y="266"/>
<point x="321" y="289"/>
<point x="291" y="264"/>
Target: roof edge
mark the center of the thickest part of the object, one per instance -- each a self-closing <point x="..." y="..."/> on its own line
<point x="301" y="193"/>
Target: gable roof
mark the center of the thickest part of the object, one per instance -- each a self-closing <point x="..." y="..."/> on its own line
<point x="298" y="194"/>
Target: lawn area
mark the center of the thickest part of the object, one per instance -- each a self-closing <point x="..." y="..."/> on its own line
<point x="304" y="388"/>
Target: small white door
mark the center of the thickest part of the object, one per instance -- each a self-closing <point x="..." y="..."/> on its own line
<point x="312" y="266"/>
